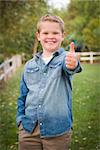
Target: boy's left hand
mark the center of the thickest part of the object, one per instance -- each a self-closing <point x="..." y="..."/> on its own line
<point x="71" y="58"/>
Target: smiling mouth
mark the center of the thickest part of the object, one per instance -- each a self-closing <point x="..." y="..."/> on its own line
<point x="50" y="42"/>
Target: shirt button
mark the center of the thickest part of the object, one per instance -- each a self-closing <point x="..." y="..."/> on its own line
<point x="39" y="106"/>
<point x="40" y="124"/>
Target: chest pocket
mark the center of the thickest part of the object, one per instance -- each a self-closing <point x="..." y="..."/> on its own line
<point x="32" y="75"/>
<point x="55" y="69"/>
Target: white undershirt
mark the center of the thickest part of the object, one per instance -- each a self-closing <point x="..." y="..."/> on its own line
<point x="47" y="59"/>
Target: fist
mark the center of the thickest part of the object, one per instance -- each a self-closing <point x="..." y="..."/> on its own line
<point x="71" y="58"/>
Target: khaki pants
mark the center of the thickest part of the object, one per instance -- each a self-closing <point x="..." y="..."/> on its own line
<point x="33" y="141"/>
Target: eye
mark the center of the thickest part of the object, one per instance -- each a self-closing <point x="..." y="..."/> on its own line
<point x="55" y="33"/>
<point x="45" y="33"/>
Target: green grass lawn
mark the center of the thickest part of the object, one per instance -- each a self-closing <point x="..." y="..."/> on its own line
<point x="8" y="100"/>
<point x="86" y="112"/>
<point x="86" y="108"/>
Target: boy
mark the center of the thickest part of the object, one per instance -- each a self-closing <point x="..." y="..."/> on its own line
<point x="44" y="113"/>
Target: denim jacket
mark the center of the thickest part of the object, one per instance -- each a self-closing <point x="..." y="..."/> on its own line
<point x="46" y="95"/>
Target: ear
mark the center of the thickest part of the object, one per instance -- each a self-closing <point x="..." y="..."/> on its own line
<point x="37" y="34"/>
<point x="64" y="34"/>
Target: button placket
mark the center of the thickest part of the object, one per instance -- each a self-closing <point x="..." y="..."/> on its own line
<point x="41" y="93"/>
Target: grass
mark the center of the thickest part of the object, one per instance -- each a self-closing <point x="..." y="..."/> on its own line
<point x="86" y="112"/>
<point x="86" y="96"/>
<point x="8" y="99"/>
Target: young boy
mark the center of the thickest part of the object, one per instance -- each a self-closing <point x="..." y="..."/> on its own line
<point x="44" y="113"/>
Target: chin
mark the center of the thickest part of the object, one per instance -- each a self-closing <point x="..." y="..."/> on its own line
<point x="52" y="49"/>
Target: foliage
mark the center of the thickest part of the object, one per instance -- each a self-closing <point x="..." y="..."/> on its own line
<point x="8" y="129"/>
<point x="18" y="24"/>
<point x="86" y="127"/>
<point x="82" y="23"/>
<point x="85" y="22"/>
<point x="91" y="34"/>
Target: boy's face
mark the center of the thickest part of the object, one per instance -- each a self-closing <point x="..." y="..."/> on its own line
<point x="50" y="36"/>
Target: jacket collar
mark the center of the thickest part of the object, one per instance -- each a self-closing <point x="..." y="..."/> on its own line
<point x="57" y="53"/>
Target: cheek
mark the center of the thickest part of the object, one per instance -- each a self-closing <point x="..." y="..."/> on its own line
<point x="60" y="39"/>
<point x="41" y="39"/>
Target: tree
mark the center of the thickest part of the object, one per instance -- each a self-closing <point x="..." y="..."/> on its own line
<point x="82" y="22"/>
<point x="18" y="25"/>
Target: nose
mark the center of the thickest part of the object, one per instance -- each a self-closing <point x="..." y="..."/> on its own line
<point x="50" y="35"/>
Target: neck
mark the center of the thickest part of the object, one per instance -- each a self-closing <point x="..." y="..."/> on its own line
<point x="47" y="54"/>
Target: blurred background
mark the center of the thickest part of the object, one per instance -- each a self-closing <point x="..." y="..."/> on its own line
<point x="18" y="19"/>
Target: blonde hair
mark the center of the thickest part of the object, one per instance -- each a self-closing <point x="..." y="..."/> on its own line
<point x="51" y="18"/>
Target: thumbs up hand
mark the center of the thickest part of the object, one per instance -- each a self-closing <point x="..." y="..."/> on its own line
<point x="71" y="58"/>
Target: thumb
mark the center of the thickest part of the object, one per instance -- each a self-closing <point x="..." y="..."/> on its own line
<point x="72" y="47"/>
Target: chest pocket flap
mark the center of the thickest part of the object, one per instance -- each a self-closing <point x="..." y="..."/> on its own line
<point x="32" y="75"/>
<point x="31" y="70"/>
<point x="55" y="65"/>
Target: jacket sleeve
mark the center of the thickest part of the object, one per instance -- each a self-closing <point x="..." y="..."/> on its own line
<point x="21" y="100"/>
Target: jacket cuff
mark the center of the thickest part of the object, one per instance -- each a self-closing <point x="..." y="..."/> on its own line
<point x="77" y="69"/>
<point x="18" y="120"/>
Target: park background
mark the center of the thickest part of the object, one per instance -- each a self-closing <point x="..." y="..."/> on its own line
<point x="18" y="20"/>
